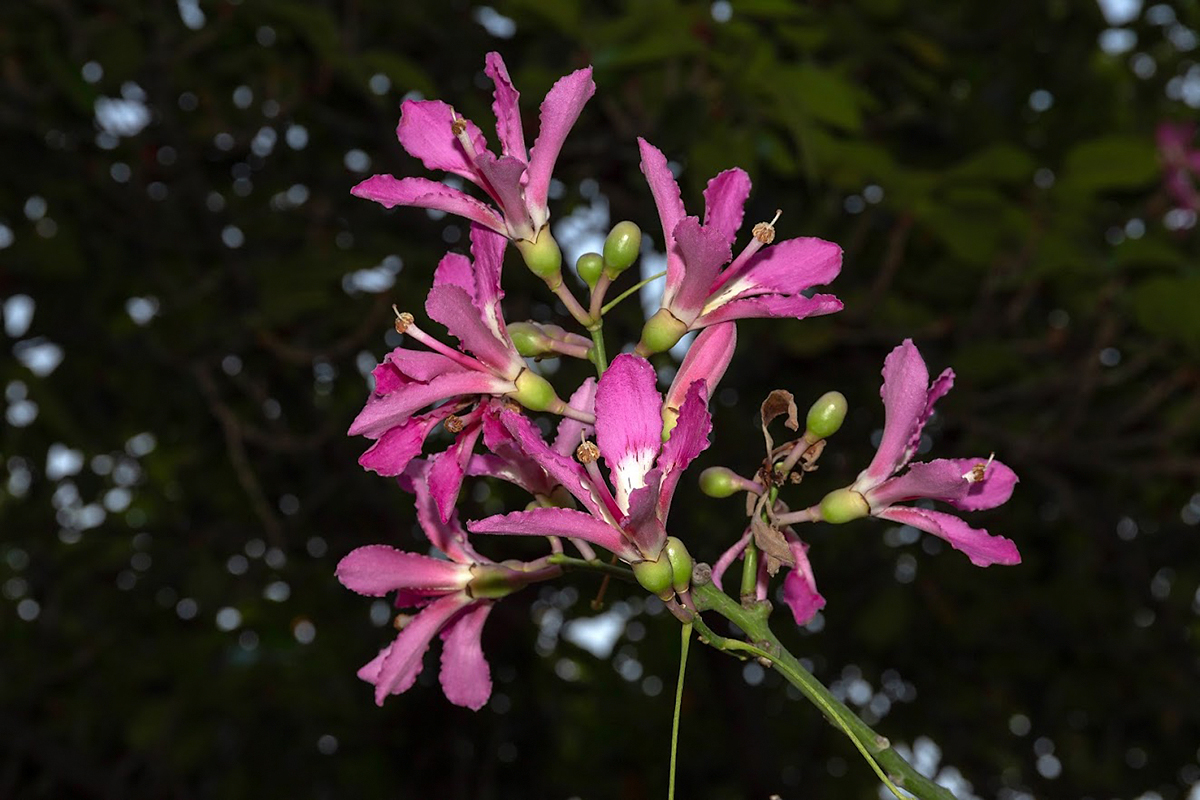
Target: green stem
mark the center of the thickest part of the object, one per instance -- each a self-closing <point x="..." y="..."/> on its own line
<point x="567" y="562"/>
<point x="599" y="357"/>
<point x="686" y="639"/>
<point x="875" y="748"/>
<point x="609" y="305"/>
<point x="750" y="570"/>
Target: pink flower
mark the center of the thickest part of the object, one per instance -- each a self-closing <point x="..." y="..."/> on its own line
<point x="454" y="598"/>
<point x="1181" y="161"/>
<point x="517" y="182"/>
<point x="965" y="483"/>
<point x="703" y="287"/>
<point x="629" y="518"/>
<point x="466" y="299"/>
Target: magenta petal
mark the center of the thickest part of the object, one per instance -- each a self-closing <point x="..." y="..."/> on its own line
<point x="424" y="193"/>
<point x="790" y="267"/>
<point x="487" y="249"/>
<point x="446" y="534"/>
<point x="503" y="177"/>
<point x="403" y="660"/>
<point x="945" y="479"/>
<point x="446" y="471"/>
<point x="466" y="678"/>
<point x="905" y="395"/>
<point x="562" y="468"/>
<point x="383" y="412"/>
<point x="377" y="569"/>
<point x="505" y="107"/>
<point x="724" y="202"/>
<point x="642" y="524"/>
<point x="452" y="307"/>
<point x="773" y="305"/>
<point x="420" y="365"/>
<point x="980" y="546"/>
<point x="941" y="384"/>
<point x="560" y="109"/>
<point x="800" y="587"/>
<point x="572" y="432"/>
<point x="455" y="269"/>
<point x="688" y="439"/>
<point x="670" y="208"/>
<point x="728" y="557"/>
<point x="704" y="252"/>
<point x="425" y="132"/>
<point x="628" y="422"/>
<point x="707" y="359"/>
<point x="392" y="452"/>
<point x="558" y="522"/>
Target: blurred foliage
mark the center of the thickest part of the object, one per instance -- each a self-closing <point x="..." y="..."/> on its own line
<point x="990" y="172"/>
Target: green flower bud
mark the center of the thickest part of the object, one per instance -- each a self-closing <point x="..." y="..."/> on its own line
<point x="528" y="339"/>
<point x="661" y="332"/>
<point x="589" y="266"/>
<point x="542" y="256"/>
<point x="621" y="247"/>
<point x="843" y="505"/>
<point x="720" y="482"/>
<point x="655" y="576"/>
<point x="826" y="415"/>
<point x="681" y="564"/>
<point x="535" y="392"/>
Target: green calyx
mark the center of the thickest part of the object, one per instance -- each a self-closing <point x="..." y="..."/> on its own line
<point x="843" y="505"/>
<point x="681" y="564"/>
<point x="590" y="266"/>
<point x="720" y="482"/>
<point x="493" y="581"/>
<point x="621" y="247"/>
<point x="826" y="416"/>
<point x="535" y="392"/>
<point x="661" y="332"/>
<point x="542" y="256"/>
<point x="529" y="339"/>
<point x="655" y="577"/>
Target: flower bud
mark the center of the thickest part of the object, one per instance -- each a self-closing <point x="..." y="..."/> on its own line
<point x="843" y="505"/>
<point x="826" y="416"/>
<point x="681" y="564"/>
<point x="589" y="266"/>
<point x="655" y="577"/>
<point x="529" y="340"/>
<point x="720" y="482"/>
<point x="542" y="256"/>
<point x="661" y="332"/>
<point x="535" y="392"/>
<point x="621" y="247"/>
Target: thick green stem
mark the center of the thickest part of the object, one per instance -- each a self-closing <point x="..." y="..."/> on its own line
<point x="599" y="357"/>
<point x="875" y="748"/>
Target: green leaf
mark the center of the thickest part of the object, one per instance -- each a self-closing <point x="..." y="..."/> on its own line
<point x="1110" y="162"/>
<point x="1170" y="307"/>
<point x="825" y="95"/>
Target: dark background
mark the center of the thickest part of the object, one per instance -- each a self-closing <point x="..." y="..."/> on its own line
<point x="174" y="454"/>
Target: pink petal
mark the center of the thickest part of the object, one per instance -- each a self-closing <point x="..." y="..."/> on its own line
<point x="628" y="422"/>
<point x="905" y="395"/>
<point x="503" y="182"/>
<point x="937" y="390"/>
<point x="383" y="412"/>
<point x="772" y="305"/>
<point x="506" y="108"/>
<point x="465" y="676"/>
<point x="487" y="249"/>
<point x="561" y="468"/>
<point x="800" y="587"/>
<point x="559" y="111"/>
<point x="704" y="252"/>
<point x="670" y="209"/>
<point x="424" y="193"/>
<point x="688" y="440"/>
<point x="724" y="201"/>
<point x="398" y="668"/>
<point x="455" y="269"/>
<point x="419" y="365"/>
<point x="642" y="524"/>
<point x="707" y="359"/>
<point x="728" y="557"/>
<point x="452" y="307"/>
<point x="377" y="569"/>
<point x="789" y="267"/>
<point x="571" y="432"/>
<point x="559" y="522"/>
<point x="392" y="452"/>
<point x="424" y="131"/>
<point x="446" y="470"/>
<point x="446" y="534"/>
<point x="942" y="479"/>
<point x="980" y="546"/>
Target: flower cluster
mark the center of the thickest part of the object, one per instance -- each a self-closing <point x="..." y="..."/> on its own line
<point x="608" y="476"/>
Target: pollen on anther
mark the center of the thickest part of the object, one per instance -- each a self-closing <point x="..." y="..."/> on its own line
<point x="403" y="319"/>
<point x="458" y="127"/>
<point x="401" y="621"/>
<point x="454" y="423"/>
<point x="765" y="231"/>
<point x="587" y="452"/>
<point x="977" y="473"/>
